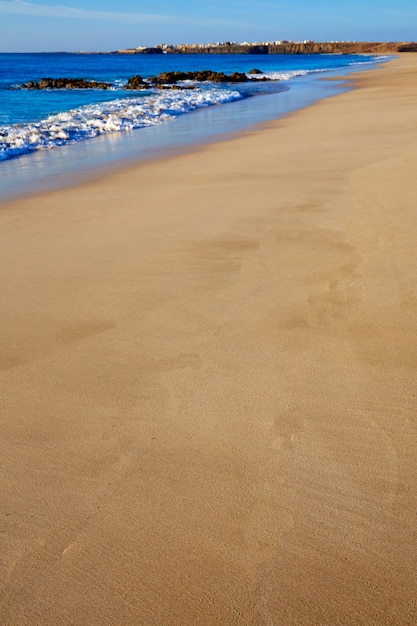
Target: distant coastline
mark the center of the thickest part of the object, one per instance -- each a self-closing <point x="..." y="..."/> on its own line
<point x="277" y="47"/>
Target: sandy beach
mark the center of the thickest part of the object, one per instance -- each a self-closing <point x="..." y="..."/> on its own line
<point x="208" y="380"/>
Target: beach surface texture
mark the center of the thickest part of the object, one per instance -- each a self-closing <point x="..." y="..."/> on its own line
<point x="208" y="380"/>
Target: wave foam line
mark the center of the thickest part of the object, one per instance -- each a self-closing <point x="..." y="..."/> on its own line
<point x="109" y="117"/>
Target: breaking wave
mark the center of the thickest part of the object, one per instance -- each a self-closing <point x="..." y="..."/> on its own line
<point x="123" y="114"/>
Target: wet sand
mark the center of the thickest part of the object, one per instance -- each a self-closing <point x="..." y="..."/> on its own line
<point x="208" y="380"/>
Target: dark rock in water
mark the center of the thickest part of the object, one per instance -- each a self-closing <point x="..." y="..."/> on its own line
<point x="136" y="82"/>
<point x="237" y="77"/>
<point x="30" y="85"/>
<point x="164" y="80"/>
<point x="210" y="76"/>
<point x="256" y="72"/>
<point x="170" y="78"/>
<point x="65" y="83"/>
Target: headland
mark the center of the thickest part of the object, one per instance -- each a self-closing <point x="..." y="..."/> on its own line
<point x="278" y="47"/>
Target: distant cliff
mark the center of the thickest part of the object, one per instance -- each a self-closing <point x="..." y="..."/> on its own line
<point x="345" y="47"/>
<point x="309" y="47"/>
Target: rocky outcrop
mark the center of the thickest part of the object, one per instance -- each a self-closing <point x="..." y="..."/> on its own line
<point x="165" y="80"/>
<point x="170" y="78"/>
<point x="137" y="82"/>
<point x="65" y="83"/>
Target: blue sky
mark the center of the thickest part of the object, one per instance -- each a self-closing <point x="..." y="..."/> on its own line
<point x="100" y="25"/>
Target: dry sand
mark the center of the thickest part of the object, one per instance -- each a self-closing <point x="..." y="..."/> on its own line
<point x="208" y="374"/>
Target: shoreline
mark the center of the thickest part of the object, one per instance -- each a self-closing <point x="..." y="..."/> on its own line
<point x="69" y="165"/>
<point x="208" y="374"/>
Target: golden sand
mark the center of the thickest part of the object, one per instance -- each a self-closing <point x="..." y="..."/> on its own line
<point x="208" y="380"/>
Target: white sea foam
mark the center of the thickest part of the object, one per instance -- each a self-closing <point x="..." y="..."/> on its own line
<point x="109" y="117"/>
<point x="288" y="75"/>
<point x="372" y="60"/>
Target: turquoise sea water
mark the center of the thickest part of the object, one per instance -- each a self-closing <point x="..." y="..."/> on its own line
<point x="50" y="137"/>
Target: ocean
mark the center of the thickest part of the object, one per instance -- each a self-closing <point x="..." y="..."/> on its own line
<point x="49" y="138"/>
